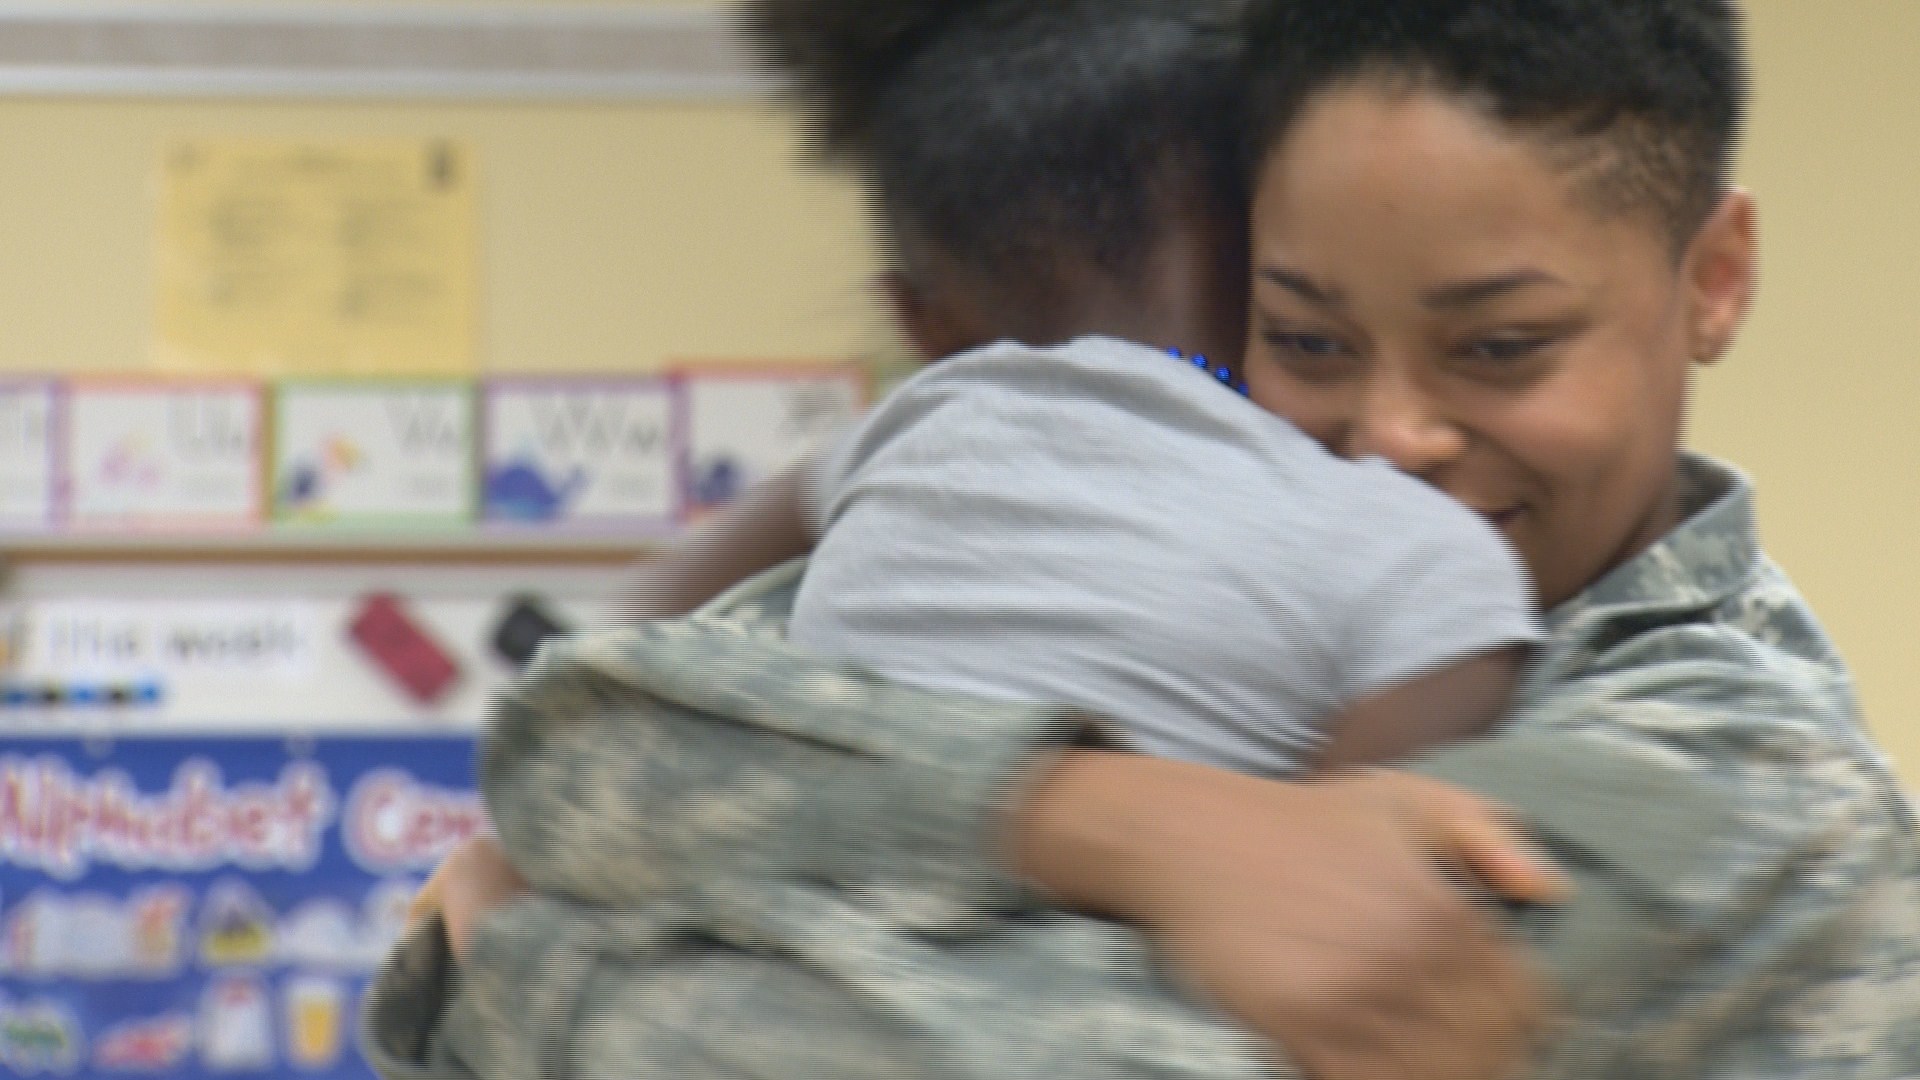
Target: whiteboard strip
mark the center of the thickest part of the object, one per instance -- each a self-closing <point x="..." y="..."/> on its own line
<point x="403" y="52"/>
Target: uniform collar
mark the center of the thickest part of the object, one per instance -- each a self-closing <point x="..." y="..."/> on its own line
<point x="1714" y="554"/>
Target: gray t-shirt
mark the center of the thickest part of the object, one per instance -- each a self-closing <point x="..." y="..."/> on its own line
<point x="1102" y="526"/>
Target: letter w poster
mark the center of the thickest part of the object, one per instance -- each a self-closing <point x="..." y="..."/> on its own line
<point x="190" y="908"/>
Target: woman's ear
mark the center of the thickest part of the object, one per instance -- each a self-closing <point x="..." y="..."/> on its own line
<point x="1722" y="272"/>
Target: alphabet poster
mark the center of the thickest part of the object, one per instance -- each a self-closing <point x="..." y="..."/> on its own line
<point x="27" y="439"/>
<point x="748" y="423"/>
<point x="154" y="456"/>
<point x="374" y="453"/>
<point x="578" y="452"/>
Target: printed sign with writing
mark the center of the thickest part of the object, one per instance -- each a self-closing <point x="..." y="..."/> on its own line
<point x="580" y="452"/>
<point x="154" y="455"/>
<point x="747" y="423"/>
<point x="198" y="907"/>
<point x="375" y="453"/>
<point x="27" y="475"/>
<point x="231" y="641"/>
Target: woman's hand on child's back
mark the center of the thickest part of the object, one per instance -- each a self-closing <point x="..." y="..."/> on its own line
<point x="472" y="882"/>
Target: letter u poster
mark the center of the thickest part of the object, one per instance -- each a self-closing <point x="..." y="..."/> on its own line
<point x="214" y="907"/>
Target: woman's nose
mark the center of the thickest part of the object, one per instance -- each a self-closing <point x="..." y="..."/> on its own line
<point x="1400" y="422"/>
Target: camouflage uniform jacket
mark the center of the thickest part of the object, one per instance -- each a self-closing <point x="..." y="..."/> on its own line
<point x="757" y="863"/>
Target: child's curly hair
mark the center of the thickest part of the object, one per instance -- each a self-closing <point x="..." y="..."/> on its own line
<point x="1002" y="133"/>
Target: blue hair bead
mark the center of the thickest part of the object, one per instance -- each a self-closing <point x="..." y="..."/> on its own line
<point x="1223" y="373"/>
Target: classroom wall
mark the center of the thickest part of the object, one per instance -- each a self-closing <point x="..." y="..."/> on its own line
<point x="1819" y="400"/>
<point x="615" y="237"/>
<point x="620" y="237"/>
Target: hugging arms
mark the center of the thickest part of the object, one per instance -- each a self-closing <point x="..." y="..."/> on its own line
<point x="699" y="775"/>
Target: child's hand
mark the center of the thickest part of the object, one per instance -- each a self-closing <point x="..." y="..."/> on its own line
<point x="472" y="882"/>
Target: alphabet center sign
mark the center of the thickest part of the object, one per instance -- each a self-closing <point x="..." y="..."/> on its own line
<point x="196" y="908"/>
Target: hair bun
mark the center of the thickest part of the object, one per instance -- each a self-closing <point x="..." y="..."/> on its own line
<point x="836" y="58"/>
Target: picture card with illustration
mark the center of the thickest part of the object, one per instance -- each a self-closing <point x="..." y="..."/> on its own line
<point x="374" y="453"/>
<point x="594" y="453"/>
<point x="29" y="477"/>
<point x="163" y="456"/>
<point x="747" y="422"/>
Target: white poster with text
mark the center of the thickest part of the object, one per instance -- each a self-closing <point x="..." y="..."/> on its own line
<point x="578" y="452"/>
<point x="27" y="476"/>
<point x="374" y="453"/>
<point x="163" y="456"/>
<point x="746" y="424"/>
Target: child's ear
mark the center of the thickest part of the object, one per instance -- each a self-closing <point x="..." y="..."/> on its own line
<point x="933" y="329"/>
<point x="1722" y="271"/>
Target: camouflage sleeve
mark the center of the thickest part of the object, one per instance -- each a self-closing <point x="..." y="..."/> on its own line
<point x="1746" y="905"/>
<point x="757" y="863"/>
<point x="645" y="763"/>
<point x="553" y="991"/>
<point x="790" y="981"/>
<point x="401" y="1035"/>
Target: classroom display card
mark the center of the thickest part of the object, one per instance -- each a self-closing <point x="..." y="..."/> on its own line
<point x="226" y="645"/>
<point x="582" y="452"/>
<point x="376" y="453"/>
<point x="317" y="258"/>
<point x="156" y="456"/>
<point x="27" y="411"/>
<point x="747" y="424"/>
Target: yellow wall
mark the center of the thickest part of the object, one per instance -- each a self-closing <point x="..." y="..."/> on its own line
<point x="620" y="237"/>
<point x="1820" y="400"/>
<point x="614" y="236"/>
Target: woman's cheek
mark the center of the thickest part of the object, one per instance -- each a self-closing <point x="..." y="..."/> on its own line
<point x="1313" y="409"/>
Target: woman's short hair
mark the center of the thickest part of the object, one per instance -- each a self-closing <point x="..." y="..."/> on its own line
<point x="1648" y="96"/>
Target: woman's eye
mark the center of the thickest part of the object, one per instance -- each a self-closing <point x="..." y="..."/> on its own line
<point x="1310" y="346"/>
<point x="1309" y="357"/>
<point x="1503" y="351"/>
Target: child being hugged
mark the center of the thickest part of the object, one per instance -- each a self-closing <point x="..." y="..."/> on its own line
<point x="1078" y="505"/>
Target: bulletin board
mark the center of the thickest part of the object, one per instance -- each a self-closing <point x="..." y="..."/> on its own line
<point x="210" y="907"/>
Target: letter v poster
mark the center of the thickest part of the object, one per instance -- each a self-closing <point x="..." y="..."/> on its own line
<point x="210" y="908"/>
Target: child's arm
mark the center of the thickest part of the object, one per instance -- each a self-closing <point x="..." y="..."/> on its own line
<point x="762" y="529"/>
<point x="1453" y="704"/>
